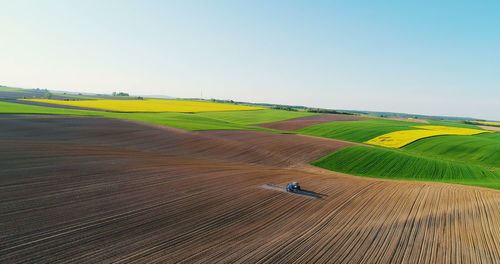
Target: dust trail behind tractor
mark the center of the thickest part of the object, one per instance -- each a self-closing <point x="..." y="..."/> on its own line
<point x="299" y="192"/>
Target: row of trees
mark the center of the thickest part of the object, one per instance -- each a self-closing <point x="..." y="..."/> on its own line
<point x="327" y="111"/>
<point x="120" y="94"/>
<point x="286" y="107"/>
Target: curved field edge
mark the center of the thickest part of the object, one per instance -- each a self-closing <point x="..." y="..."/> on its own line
<point x="364" y="130"/>
<point x="252" y="117"/>
<point x="453" y="124"/>
<point x="481" y="150"/>
<point x="395" y="164"/>
<point x="198" y="121"/>
<point x="357" y="131"/>
<point x="403" y="138"/>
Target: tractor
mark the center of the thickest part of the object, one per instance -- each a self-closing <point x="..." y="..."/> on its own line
<point x="293" y="187"/>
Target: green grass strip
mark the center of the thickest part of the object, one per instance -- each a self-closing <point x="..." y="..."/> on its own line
<point x="395" y="164"/>
<point x="476" y="149"/>
<point x="8" y="89"/>
<point x="254" y="116"/>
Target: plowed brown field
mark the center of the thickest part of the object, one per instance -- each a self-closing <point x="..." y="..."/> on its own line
<point x="301" y="122"/>
<point x="89" y="190"/>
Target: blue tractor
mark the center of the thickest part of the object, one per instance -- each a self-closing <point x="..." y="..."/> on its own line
<point x="293" y="187"/>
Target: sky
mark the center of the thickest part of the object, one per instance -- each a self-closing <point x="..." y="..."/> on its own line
<point x="421" y="57"/>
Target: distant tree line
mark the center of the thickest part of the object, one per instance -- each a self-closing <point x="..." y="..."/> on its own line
<point x="284" y="107"/>
<point x="327" y="111"/>
<point x="223" y="101"/>
<point x="38" y="90"/>
<point x="272" y="106"/>
<point x="120" y="94"/>
<point x="294" y="108"/>
<point x="476" y="123"/>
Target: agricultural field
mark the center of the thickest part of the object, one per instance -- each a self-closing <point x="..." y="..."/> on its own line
<point x="94" y="189"/>
<point x="8" y="89"/>
<point x="479" y="150"/>
<point x="357" y="131"/>
<point x="482" y="149"/>
<point x="409" y="119"/>
<point x="307" y="121"/>
<point x="14" y="108"/>
<point x="101" y="186"/>
<point x="457" y="154"/>
<point x="451" y="124"/>
<point x="255" y="117"/>
<point x="8" y="93"/>
<point x="395" y="164"/>
<point x="195" y="121"/>
<point x="149" y="105"/>
<point x="402" y="138"/>
<point x="486" y="123"/>
<point x="491" y="128"/>
<point x="82" y="97"/>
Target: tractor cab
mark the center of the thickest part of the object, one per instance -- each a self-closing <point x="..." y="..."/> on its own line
<point x="293" y="187"/>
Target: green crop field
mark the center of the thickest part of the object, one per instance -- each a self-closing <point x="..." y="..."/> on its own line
<point x="480" y="149"/>
<point x="472" y="160"/>
<point x="361" y="131"/>
<point x="14" y="108"/>
<point x="452" y="124"/>
<point x="396" y="164"/>
<point x="179" y="120"/>
<point x="183" y="121"/>
<point x="357" y="131"/>
<point x="8" y="89"/>
<point x="254" y="117"/>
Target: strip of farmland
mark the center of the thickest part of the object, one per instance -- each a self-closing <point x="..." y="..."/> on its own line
<point x="302" y="122"/>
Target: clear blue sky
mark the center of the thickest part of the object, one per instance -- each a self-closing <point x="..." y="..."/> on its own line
<point x="424" y="57"/>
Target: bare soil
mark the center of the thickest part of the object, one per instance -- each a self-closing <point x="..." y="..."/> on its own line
<point x="93" y="190"/>
<point x="492" y="128"/>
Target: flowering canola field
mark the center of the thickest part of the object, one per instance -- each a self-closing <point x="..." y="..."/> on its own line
<point x="488" y="123"/>
<point x="150" y="105"/>
<point x="402" y="138"/>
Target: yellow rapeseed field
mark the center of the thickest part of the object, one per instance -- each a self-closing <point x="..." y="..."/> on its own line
<point x="150" y="105"/>
<point x="402" y="138"/>
<point x="488" y="123"/>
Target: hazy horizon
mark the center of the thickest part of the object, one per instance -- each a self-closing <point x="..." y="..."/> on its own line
<point x="204" y="98"/>
<point x="424" y="58"/>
